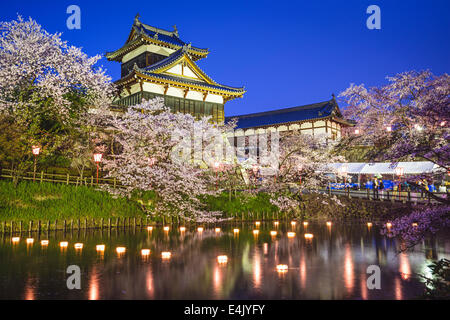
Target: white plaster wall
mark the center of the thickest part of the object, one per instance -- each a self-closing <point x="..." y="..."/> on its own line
<point x="194" y="95"/>
<point x="152" y="87"/>
<point x="214" y="98"/>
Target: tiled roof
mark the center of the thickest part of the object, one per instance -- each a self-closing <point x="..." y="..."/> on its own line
<point x="191" y="81"/>
<point x="155" y="69"/>
<point x="274" y="117"/>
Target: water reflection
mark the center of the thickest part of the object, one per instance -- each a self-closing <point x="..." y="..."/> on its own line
<point x="224" y="264"/>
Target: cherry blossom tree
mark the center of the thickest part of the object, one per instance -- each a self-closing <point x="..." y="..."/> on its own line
<point x="301" y="164"/>
<point x="47" y="88"/>
<point x="155" y="153"/>
<point x="407" y="119"/>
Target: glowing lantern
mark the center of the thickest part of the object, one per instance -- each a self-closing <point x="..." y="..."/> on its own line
<point x="120" y="250"/>
<point x="145" y="252"/>
<point x="166" y="255"/>
<point x="282" y="268"/>
<point x="329" y="223"/>
<point x="30" y="240"/>
<point x="78" y="246"/>
<point x="369" y="224"/>
<point x="63" y="244"/>
<point x="200" y="229"/>
<point x="222" y="259"/>
<point x="236" y="230"/>
<point x="100" y="247"/>
<point x="388" y="225"/>
<point x="414" y="224"/>
<point x="97" y="160"/>
<point x="182" y="229"/>
<point x="276" y="223"/>
<point x="44" y="243"/>
<point x="305" y="223"/>
<point x="15" y="239"/>
<point x="149" y="228"/>
<point x="255" y="232"/>
<point x="388" y="128"/>
<point x="217" y="229"/>
<point x="257" y="223"/>
<point x="166" y="228"/>
<point x="291" y="234"/>
<point x="273" y="233"/>
<point x="293" y="223"/>
<point x="356" y="131"/>
<point x="35" y="150"/>
<point x="309" y="235"/>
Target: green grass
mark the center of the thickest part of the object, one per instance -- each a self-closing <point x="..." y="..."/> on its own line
<point x="47" y="201"/>
<point x="240" y="204"/>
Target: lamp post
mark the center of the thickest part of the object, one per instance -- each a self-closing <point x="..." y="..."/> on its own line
<point x="399" y="172"/>
<point x="35" y="150"/>
<point x="97" y="160"/>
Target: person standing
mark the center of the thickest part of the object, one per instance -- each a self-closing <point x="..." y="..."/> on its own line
<point x="375" y="188"/>
<point x="381" y="187"/>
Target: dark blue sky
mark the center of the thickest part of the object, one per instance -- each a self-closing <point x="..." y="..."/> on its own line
<point x="286" y="53"/>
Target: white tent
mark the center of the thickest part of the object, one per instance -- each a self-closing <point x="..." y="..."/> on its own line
<point x="416" y="167"/>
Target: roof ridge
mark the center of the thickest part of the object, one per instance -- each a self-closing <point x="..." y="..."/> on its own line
<point x="278" y="111"/>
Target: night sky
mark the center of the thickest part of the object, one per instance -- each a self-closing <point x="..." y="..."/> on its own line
<point x="285" y="53"/>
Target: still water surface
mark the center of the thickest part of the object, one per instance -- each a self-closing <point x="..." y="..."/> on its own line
<point x="330" y="265"/>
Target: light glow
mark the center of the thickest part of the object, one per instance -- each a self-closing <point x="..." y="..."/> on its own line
<point x="282" y="268"/>
<point x="273" y="233"/>
<point x="166" y="228"/>
<point x="305" y="223"/>
<point x="182" y="229"/>
<point x="236" y="230"/>
<point x="63" y="244"/>
<point x="100" y="247"/>
<point x="309" y="235"/>
<point x="222" y="259"/>
<point x="293" y="223"/>
<point x="329" y="223"/>
<point x="120" y="250"/>
<point x="30" y="240"/>
<point x="257" y="223"/>
<point x="255" y="232"/>
<point x="200" y="229"/>
<point x="145" y="252"/>
<point x="78" y="246"/>
<point x="217" y="229"/>
<point x="15" y="239"/>
<point x="291" y="234"/>
<point x="369" y="224"/>
<point x="149" y="228"/>
<point x="166" y="255"/>
<point x="35" y="150"/>
<point x="44" y="243"/>
<point x="98" y="157"/>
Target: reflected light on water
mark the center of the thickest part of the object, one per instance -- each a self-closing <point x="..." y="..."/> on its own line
<point x="398" y="289"/>
<point x="405" y="268"/>
<point x="149" y="283"/>
<point x="282" y="268"/>
<point x="305" y="223"/>
<point x="29" y="293"/>
<point x="348" y="269"/>
<point x="217" y="281"/>
<point x="256" y="269"/>
<point x="363" y="287"/>
<point x="276" y="223"/>
<point x="93" y="285"/>
<point x="255" y="232"/>
<point x="302" y="271"/>
<point x="236" y="230"/>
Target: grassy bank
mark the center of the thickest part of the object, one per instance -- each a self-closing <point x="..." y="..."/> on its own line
<point x="47" y="201"/>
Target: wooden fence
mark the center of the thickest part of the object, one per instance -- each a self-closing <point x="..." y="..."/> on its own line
<point x="62" y="178"/>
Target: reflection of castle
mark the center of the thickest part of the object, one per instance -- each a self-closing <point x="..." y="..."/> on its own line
<point x="156" y="62"/>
